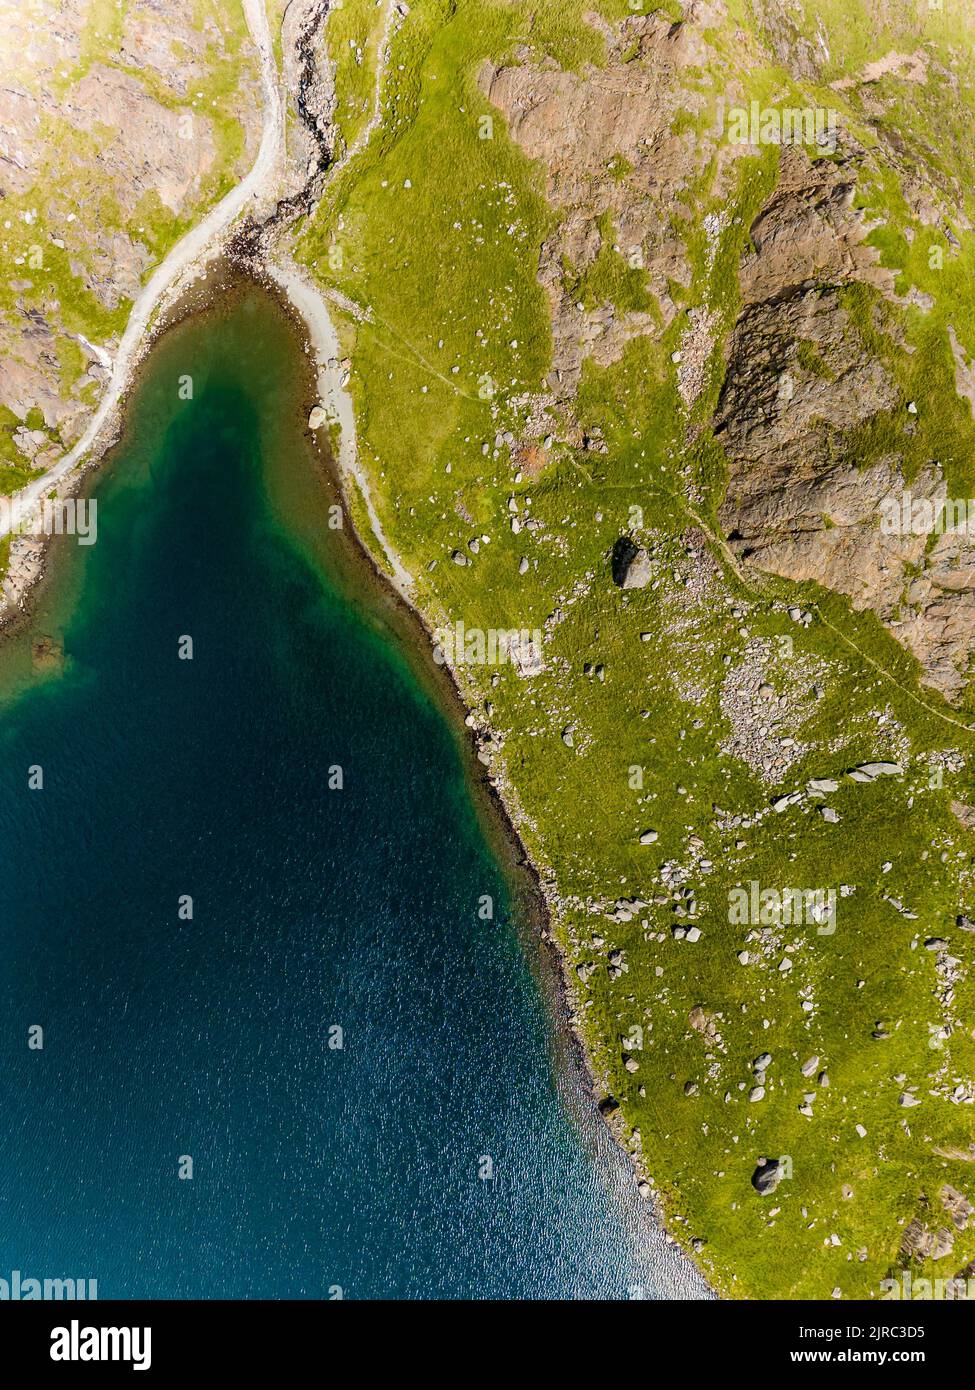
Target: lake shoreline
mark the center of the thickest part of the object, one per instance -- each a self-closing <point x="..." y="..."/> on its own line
<point x="215" y="291"/>
<point x="544" y="949"/>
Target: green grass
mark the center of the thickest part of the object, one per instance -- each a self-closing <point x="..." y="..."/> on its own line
<point x="438" y="235"/>
<point x="15" y="476"/>
<point x="612" y="278"/>
<point x="353" y="33"/>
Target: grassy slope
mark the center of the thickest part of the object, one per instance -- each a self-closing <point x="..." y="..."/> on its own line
<point x="447" y="266"/>
<point x="354" y="32"/>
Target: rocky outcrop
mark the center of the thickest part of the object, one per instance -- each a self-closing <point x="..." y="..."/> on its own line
<point x="800" y="380"/>
<point x="608" y="139"/>
<point x="620" y="146"/>
<point x="617" y="158"/>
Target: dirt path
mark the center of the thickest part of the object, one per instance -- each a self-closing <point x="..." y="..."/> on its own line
<point x="308" y="301"/>
<point x="311" y="304"/>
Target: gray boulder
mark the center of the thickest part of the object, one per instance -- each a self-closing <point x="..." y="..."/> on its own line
<point x="767" y="1177"/>
<point x="631" y="565"/>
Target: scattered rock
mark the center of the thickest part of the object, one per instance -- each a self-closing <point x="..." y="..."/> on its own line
<point x="957" y="1205"/>
<point x="47" y="654"/>
<point x="922" y="1244"/>
<point x="869" y="772"/>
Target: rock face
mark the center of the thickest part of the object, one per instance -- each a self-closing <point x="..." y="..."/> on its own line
<point x="576" y="123"/>
<point x="115" y="134"/>
<point x="802" y="373"/>
<point x="800" y="379"/>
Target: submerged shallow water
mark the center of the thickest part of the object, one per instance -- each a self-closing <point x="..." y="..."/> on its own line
<point x="314" y="1168"/>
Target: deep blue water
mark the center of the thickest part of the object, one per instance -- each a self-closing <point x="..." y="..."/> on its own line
<point x="313" y="1166"/>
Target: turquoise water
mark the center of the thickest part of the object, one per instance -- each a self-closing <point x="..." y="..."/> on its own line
<point x="314" y="1168"/>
